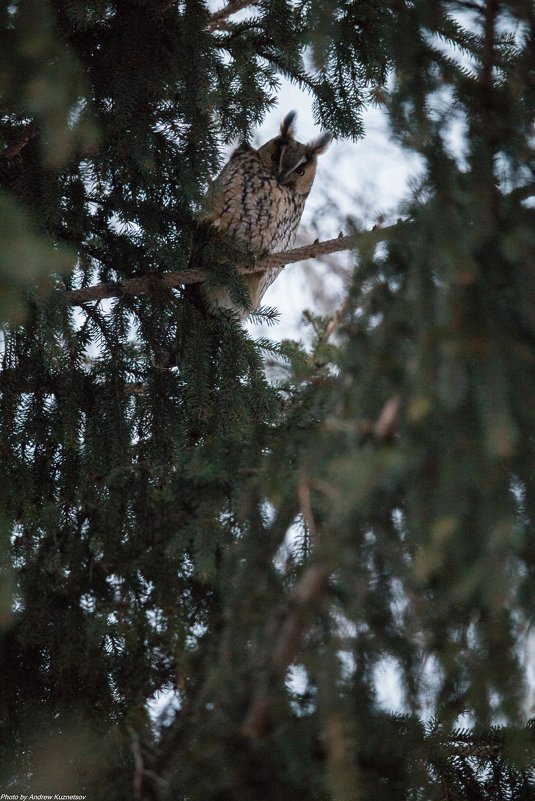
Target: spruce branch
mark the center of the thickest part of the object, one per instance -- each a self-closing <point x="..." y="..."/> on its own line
<point x="521" y="193"/>
<point x="160" y="281"/>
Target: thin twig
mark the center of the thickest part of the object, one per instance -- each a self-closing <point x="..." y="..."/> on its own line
<point x="158" y="281"/>
<point x="218" y="18"/>
<point x="473" y="749"/>
<point x="303" y="493"/>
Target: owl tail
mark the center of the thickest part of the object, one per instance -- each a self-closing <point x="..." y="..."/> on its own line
<point x="201" y="305"/>
<point x="225" y="296"/>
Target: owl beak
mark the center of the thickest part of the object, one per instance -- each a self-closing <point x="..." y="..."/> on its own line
<point x="283" y="173"/>
<point x="283" y="176"/>
<point x="287" y="168"/>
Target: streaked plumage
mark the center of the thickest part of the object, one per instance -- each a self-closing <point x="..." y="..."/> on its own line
<point x="258" y="200"/>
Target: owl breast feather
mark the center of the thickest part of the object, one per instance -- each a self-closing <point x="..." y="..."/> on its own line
<point x="250" y="204"/>
<point x="254" y="207"/>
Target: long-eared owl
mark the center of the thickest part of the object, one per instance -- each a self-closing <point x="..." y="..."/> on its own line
<point x="258" y="200"/>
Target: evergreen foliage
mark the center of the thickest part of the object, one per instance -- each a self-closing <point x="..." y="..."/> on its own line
<point x="263" y="550"/>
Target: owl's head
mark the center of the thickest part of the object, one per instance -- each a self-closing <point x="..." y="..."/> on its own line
<point x="293" y="163"/>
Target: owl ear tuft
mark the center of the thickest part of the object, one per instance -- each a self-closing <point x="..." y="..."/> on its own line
<point x="288" y="125"/>
<point x="320" y="145"/>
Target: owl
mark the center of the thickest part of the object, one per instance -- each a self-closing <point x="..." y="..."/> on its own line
<point x="257" y="200"/>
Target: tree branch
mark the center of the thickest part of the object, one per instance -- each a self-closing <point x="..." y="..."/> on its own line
<point x="308" y="590"/>
<point x="158" y="281"/>
<point x="218" y="18"/>
<point x="27" y="133"/>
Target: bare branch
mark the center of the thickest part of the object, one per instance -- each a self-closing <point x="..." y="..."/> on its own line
<point x="311" y="586"/>
<point x="308" y="590"/>
<point x="138" y="763"/>
<point x="27" y="133"/>
<point x="387" y="423"/>
<point x="218" y="18"/>
<point x="159" y="281"/>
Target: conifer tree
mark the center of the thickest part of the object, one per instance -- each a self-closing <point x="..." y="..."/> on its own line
<point x="256" y="550"/>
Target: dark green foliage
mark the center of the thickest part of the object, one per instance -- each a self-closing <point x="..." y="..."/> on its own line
<point x="263" y="551"/>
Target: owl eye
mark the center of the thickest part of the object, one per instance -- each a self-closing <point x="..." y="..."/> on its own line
<point x="300" y="171"/>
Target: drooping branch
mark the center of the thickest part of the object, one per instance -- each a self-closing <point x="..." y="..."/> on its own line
<point x="158" y="281"/>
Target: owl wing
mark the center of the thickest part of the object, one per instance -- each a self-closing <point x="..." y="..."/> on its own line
<point x="224" y="196"/>
<point x="247" y="207"/>
<point x="225" y="227"/>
